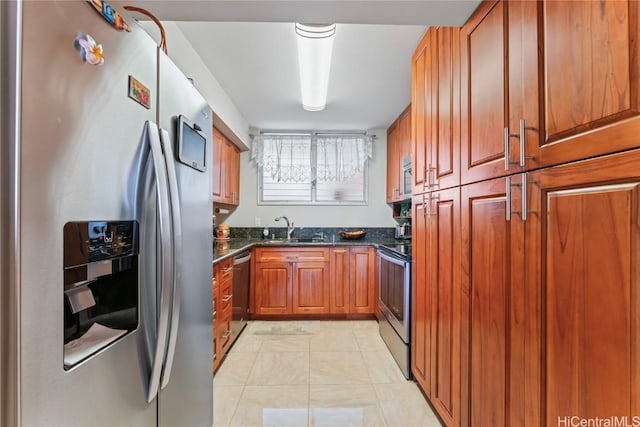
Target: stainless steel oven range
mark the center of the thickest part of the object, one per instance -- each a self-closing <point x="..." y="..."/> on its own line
<point x="395" y="302"/>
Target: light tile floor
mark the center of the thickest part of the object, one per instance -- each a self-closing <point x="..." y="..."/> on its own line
<point x="315" y="373"/>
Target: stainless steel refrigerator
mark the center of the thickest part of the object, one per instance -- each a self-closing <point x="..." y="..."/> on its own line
<point x="105" y="220"/>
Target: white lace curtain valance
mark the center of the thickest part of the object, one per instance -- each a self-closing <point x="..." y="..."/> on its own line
<point x="288" y="158"/>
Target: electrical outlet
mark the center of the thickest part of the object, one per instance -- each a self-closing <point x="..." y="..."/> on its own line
<point x="257" y="221"/>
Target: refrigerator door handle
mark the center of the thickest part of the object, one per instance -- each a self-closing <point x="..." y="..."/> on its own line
<point x="165" y="263"/>
<point x="176" y="220"/>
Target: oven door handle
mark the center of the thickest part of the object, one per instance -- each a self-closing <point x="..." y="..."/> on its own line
<point x="392" y="260"/>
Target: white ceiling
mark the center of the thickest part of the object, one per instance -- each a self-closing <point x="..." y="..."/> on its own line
<point x="250" y="48"/>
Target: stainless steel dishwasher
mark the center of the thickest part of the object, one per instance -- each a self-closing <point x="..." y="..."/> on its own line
<point x="240" y="300"/>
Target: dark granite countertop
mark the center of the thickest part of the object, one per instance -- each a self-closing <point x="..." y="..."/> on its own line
<point x="234" y="246"/>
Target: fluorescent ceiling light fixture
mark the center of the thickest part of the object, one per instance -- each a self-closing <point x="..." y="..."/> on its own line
<point x="315" y="44"/>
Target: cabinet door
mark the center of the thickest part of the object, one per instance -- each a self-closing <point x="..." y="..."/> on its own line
<point x="590" y="287"/>
<point x="363" y="280"/>
<point x="226" y="171"/>
<point x="404" y="142"/>
<point x="393" y="171"/>
<point x="444" y="242"/>
<point x="423" y="80"/>
<point x="273" y="293"/>
<point x="443" y="169"/>
<point x="590" y="82"/>
<point x="234" y="174"/>
<point x="218" y="145"/>
<point x="339" y="281"/>
<point x="484" y="105"/>
<point x="487" y="258"/>
<point x="421" y="349"/>
<point x="405" y="153"/>
<point x="311" y="287"/>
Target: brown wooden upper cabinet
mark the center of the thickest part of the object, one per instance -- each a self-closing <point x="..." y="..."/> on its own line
<point x="436" y="110"/>
<point x="398" y="148"/>
<point x="545" y="83"/>
<point x="393" y="165"/>
<point x="422" y="82"/>
<point x="226" y="170"/>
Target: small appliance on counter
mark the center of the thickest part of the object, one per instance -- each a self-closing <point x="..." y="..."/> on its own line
<point x="403" y="231"/>
<point x="222" y="232"/>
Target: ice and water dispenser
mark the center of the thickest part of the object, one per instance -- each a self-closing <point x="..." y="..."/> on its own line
<point x="100" y="286"/>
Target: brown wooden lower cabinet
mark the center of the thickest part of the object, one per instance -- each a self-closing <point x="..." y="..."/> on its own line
<point x="587" y="329"/>
<point x="436" y="300"/>
<point x="363" y="274"/>
<point x="444" y="262"/>
<point x="339" y="292"/>
<point x="273" y="288"/>
<point x="421" y="350"/>
<point x="487" y="257"/>
<point x="314" y="281"/>
<point x="550" y="322"/>
<point x="310" y="287"/>
<point x="222" y="291"/>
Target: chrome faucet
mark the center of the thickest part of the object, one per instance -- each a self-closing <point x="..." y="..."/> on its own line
<point x="290" y="226"/>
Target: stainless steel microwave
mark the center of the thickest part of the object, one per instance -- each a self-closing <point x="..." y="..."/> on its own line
<point x="406" y="179"/>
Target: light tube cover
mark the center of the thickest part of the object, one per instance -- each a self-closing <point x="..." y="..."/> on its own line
<point x="315" y="45"/>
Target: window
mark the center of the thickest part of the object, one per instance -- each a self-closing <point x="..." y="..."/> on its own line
<point x="312" y="168"/>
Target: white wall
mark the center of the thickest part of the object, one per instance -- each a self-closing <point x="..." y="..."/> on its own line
<point x="186" y="58"/>
<point x="376" y="214"/>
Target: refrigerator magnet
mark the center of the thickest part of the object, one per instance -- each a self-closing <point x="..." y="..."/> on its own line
<point x="139" y="93"/>
<point x="110" y="14"/>
<point x="90" y="51"/>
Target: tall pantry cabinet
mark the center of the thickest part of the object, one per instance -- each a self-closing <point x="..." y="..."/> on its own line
<point x="545" y="292"/>
<point x="436" y="221"/>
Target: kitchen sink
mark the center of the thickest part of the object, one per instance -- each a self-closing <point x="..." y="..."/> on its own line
<point x="295" y="240"/>
<point x="309" y="240"/>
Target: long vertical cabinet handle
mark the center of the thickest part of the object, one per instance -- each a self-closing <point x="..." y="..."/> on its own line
<point x="176" y="220"/>
<point x="424" y="206"/>
<point x="523" y="141"/>
<point x="507" y="215"/>
<point x="166" y="267"/>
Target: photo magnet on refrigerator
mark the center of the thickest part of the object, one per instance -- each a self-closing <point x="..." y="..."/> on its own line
<point x="110" y="14"/>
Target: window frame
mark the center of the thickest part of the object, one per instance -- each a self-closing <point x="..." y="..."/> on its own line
<point x="314" y="167"/>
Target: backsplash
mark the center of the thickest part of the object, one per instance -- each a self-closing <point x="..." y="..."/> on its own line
<point x="373" y="233"/>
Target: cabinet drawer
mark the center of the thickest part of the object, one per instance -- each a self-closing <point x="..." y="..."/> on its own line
<point x="291" y="254"/>
<point x="223" y="336"/>
<point x="225" y="296"/>
<point x="223" y="270"/>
